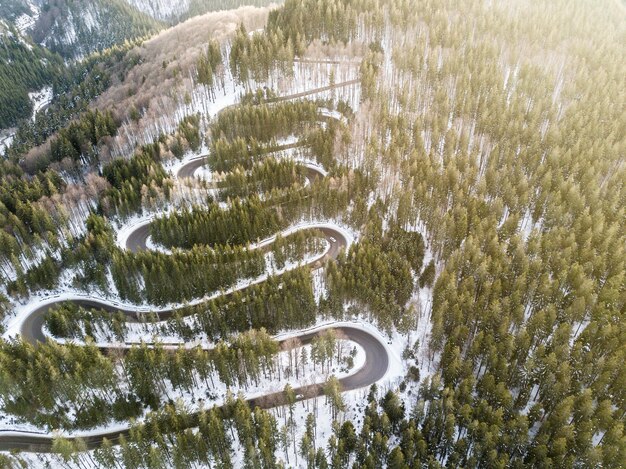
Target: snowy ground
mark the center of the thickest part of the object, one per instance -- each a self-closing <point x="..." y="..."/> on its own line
<point x="6" y="138"/>
<point x="15" y="321"/>
<point x="25" y="22"/>
<point x="354" y="400"/>
<point x="22" y="311"/>
<point x="216" y="394"/>
<point x="306" y="76"/>
<point x="151" y="331"/>
<point x="209" y="102"/>
<point x="163" y="10"/>
<point x="40" y="99"/>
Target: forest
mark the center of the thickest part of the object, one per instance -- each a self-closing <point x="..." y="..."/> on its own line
<point x="324" y="234"/>
<point x="73" y="30"/>
<point x="24" y="67"/>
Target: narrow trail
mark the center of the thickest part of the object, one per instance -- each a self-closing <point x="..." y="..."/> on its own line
<point x="376" y="354"/>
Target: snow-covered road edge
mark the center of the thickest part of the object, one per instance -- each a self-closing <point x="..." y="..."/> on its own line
<point x="394" y="365"/>
<point x="130" y="227"/>
<point x="14" y="327"/>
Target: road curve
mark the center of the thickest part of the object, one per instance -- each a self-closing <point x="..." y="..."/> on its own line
<point x="376" y="364"/>
<point x="189" y="169"/>
<point x="376" y="355"/>
<point x="137" y="240"/>
<point x="31" y="329"/>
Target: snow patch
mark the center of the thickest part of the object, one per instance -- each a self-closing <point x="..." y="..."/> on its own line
<point x="26" y="21"/>
<point x="40" y="99"/>
<point x="163" y="10"/>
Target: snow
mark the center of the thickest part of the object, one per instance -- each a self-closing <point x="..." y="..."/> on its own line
<point x="354" y="400"/>
<point x="151" y="245"/>
<point x="203" y="397"/>
<point x="393" y="346"/>
<point x="137" y="332"/>
<point x="295" y="154"/>
<point x="209" y="103"/>
<point x="22" y="311"/>
<point x="165" y="113"/>
<point x="161" y="9"/>
<point x="333" y="115"/>
<point x="25" y="22"/>
<point x="6" y="138"/>
<point x="89" y="19"/>
<point x="319" y="284"/>
<point x="40" y="99"/>
<point x="138" y="221"/>
<point x="69" y="32"/>
<point x="526" y="226"/>
<point x="423" y="332"/>
<point x="307" y="377"/>
<point x="11" y="426"/>
<point x="133" y="224"/>
<point x="204" y="173"/>
<point x="305" y="226"/>
<point x="147" y="332"/>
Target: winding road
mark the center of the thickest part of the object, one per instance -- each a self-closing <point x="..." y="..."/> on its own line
<point x="376" y="353"/>
<point x="376" y="364"/>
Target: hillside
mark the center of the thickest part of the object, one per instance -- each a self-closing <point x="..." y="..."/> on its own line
<point x="323" y="234"/>
<point x="173" y="11"/>
<point x="24" y="67"/>
<point x="76" y="28"/>
<point x="19" y="12"/>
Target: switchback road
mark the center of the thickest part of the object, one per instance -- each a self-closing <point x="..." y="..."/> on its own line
<point x="376" y="354"/>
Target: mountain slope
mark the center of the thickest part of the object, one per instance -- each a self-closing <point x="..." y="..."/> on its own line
<point x="12" y="10"/>
<point x="165" y="10"/>
<point x="75" y="28"/>
<point x="24" y="67"/>
<point x="174" y="11"/>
